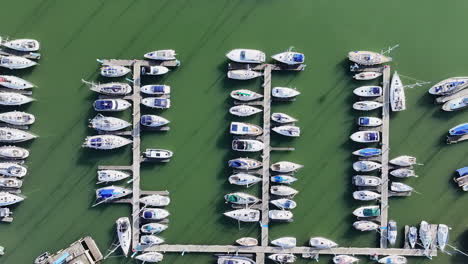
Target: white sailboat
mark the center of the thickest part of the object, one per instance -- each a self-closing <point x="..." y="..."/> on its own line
<point x="366" y="105"/>
<point x="442" y="236"/>
<point x="288" y="130"/>
<point x="284" y="242"/>
<point x="280" y="215"/>
<point x="247" y="241"/>
<point x="244" y="215"/>
<point x="244" y="110"/>
<point x="245" y="95"/>
<point x="105" y="142"/>
<point x="367" y="75"/>
<point x="154" y="70"/>
<point x="26" y="45"/>
<point x="285" y="166"/>
<point x="365" y="226"/>
<point x="113" y="88"/>
<point x="9" y="182"/>
<point x="124" y="233"/>
<point x="282" y="118"/>
<point x="368" y="91"/>
<point x="153" y="228"/>
<point x="150" y="257"/>
<point x="282" y="258"/>
<point x="153" y="121"/>
<point x="150" y="240"/>
<point x="456" y="104"/>
<point x="12" y="169"/>
<point x="17" y="118"/>
<point x="397" y="94"/>
<point x="107" y="123"/>
<point x="156" y="89"/>
<point x="7" y="199"/>
<point x="284" y="92"/>
<point x="114" y="71"/>
<point x="394" y="259"/>
<point x="322" y="243"/>
<point x="13" y="135"/>
<point x="155" y="200"/>
<point x="368" y="58"/>
<point x="289" y="57"/>
<point x="16" y="63"/>
<point x="240" y="198"/>
<point x="365" y="195"/>
<point x="344" y="259"/>
<point x="154" y="214"/>
<point x="13" y="82"/>
<point x="245" y="129"/>
<point x="283" y="190"/>
<point x="366" y="165"/>
<point x="9" y="98"/>
<point x="111" y="175"/>
<point x="403" y="161"/>
<point x="243" y="179"/>
<point x="449" y="86"/>
<point x="247" y="145"/>
<point x="243" y="74"/>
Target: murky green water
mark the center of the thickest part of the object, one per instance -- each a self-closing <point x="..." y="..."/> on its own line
<point x="61" y="183"/>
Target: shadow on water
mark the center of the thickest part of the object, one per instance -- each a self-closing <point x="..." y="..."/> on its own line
<point x="462" y="240"/>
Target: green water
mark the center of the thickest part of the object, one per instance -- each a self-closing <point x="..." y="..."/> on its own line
<point x="60" y="186"/>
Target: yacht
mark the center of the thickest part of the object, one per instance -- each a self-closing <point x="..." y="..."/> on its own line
<point x="244" y="215"/>
<point x="366" y="165"/>
<point x="403" y="161"/>
<point x="367" y="211"/>
<point x="155" y="200"/>
<point x="289" y="57"/>
<point x="425" y="235"/>
<point x="16" y="63"/>
<point x="160" y="154"/>
<point x="162" y="55"/>
<point x="107" y="123"/>
<point x="9" y="98"/>
<point x="283" y="179"/>
<point x="459" y="130"/>
<point x="240" y="198"/>
<point x="282" y="118"/>
<point x="113" y="88"/>
<point x="156" y="89"/>
<point x="246" y="56"/>
<point x="234" y="260"/>
<point x="393" y="259"/>
<point x="111" y="105"/>
<point x="366" y="105"/>
<point x="114" y="71"/>
<point x="153" y="121"/>
<point x="150" y="240"/>
<point x="449" y="86"/>
<point x="368" y="58"/>
<point x="243" y="74"/>
<point x="365" y="195"/>
<point x="280" y="215"/>
<point x="12" y="169"/>
<point x="368" y="152"/>
<point x="13" y="152"/>
<point x="12" y="135"/>
<point x="8" y="182"/>
<point x="111" y="175"/>
<point x="368" y="91"/>
<point x="243" y="179"/>
<point x="400" y="187"/>
<point x="366" y="226"/>
<point x="368" y="136"/>
<point x="285" y="166"/>
<point x="154" y="214"/>
<point x="284" y="203"/>
<point x="247" y="241"/>
<point x="456" y="104"/>
<point x="397" y="94"/>
<point x="150" y="257"/>
<point x="282" y="258"/>
<point x="27" y="45"/>
<point x="287" y="130"/>
<point x="412" y="236"/>
<point x="112" y="192"/>
<point x="392" y="232"/>
<point x="367" y="75"/>
<point x="368" y="121"/>
<point x="154" y="70"/>
<point x="155" y="102"/>
<point x="13" y="82"/>
<point x="244" y="164"/>
<point x="9" y="199"/>
<point x="403" y="173"/>
<point x="247" y="145"/>
<point x="284" y="92"/>
<point x="366" y="181"/>
<point x="322" y="243"/>
<point x="244" y="110"/>
<point x="17" y="118"/>
<point x="282" y="190"/>
<point x="344" y="259"/>
<point x="245" y="129"/>
<point x="245" y="95"/>
<point x="153" y="228"/>
<point x="124" y="233"/>
<point x="442" y="236"/>
<point x="105" y="142"/>
<point x="284" y="242"/>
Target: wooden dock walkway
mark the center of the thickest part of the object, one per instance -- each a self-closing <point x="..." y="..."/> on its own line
<point x="128" y="63"/>
<point x="385" y="149"/>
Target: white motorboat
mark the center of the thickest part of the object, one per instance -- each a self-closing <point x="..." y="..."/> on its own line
<point x="442" y="236"/>
<point x="155" y="200"/>
<point x="322" y="243"/>
<point x="400" y="187"/>
<point x="425" y="235"/>
<point x="284" y="203"/>
<point x="367" y="75"/>
<point x="154" y="70"/>
<point x="289" y="57"/>
<point x="365" y="195"/>
<point x="163" y="55"/>
<point x="403" y="161"/>
<point x="150" y="257"/>
<point x="344" y="259"/>
<point x="368" y="136"/>
<point x="13" y="152"/>
<point x="456" y="104"/>
<point x="366" y="165"/>
<point x="112" y="192"/>
<point x="243" y="74"/>
<point x="245" y="129"/>
<point x="368" y="91"/>
<point x="155" y="102"/>
<point x="9" y="98"/>
<point x="17" y="118"/>
<point x="366" y="181"/>
<point x="283" y="179"/>
<point x="287" y="130"/>
<point x="392" y="232"/>
<point x="284" y="242"/>
<point x="149" y="240"/>
<point x="449" y="86"/>
<point x="240" y="198"/>
<point x="368" y="121"/>
<point x="247" y="241"/>
<point x="111" y="105"/>
<point x="247" y="145"/>
<point x="244" y="110"/>
<point x="282" y="190"/>
<point x="282" y="118"/>
<point x="245" y="95"/>
<point x="153" y="121"/>
<point x="153" y="228"/>
<point x="243" y="179"/>
<point x="9" y="199"/>
<point x="244" y="215"/>
<point x="367" y="211"/>
<point x="403" y="173"/>
<point x="154" y="213"/>
<point x="366" y="105"/>
<point x="397" y="94"/>
<point x="244" y="164"/>
<point x="113" y="88"/>
<point x="160" y="154"/>
<point x="156" y="89"/>
<point x="246" y="56"/>
<point x="8" y="182"/>
<point x="234" y="260"/>
<point x="284" y="92"/>
<point x="282" y="258"/>
<point x="13" y="135"/>
<point x="412" y="236"/>
<point x="114" y="71"/>
<point x="368" y="58"/>
<point x="285" y="166"/>
<point x="366" y="226"/>
<point x="111" y="175"/>
<point x="124" y="233"/>
<point x="105" y="142"/>
<point x="12" y="169"/>
<point x="394" y="259"/>
<point x="107" y="123"/>
<point x="27" y="45"/>
<point x="280" y="215"/>
<point x="16" y="63"/>
<point x="13" y="82"/>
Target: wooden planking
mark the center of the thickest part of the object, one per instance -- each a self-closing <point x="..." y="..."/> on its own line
<point x="127" y="63"/>
<point x="385" y="129"/>
<point x="112" y="167"/>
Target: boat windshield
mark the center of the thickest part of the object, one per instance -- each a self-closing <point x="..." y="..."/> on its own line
<point x="160" y="102"/>
<point x="376" y="90"/>
<point x="298" y="58"/>
<point x="372" y="136"/>
<point x="157" y="88"/>
<point x="103" y="104"/>
<point x="363" y="121"/>
<point x="147" y="120"/>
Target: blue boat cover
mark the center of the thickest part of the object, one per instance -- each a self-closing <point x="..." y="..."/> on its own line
<point x="62" y="259"/>
<point x="147" y="215"/>
<point x="287" y="204"/>
<point x="363" y="121"/>
<point x="375" y="90"/>
<point x="463" y="171"/>
<point x="298" y="58"/>
<point x="233" y="128"/>
<point x="278" y="179"/>
<point x="242" y="54"/>
<point x="106" y="193"/>
<point x="160" y="102"/>
<point x="459" y="130"/>
<point x="147" y="120"/>
<point x="372" y="136"/>
<point x="103" y="104"/>
<point x="370" y="151"/>
<point x="236" y="163"/>
<point x="157" y="88"/>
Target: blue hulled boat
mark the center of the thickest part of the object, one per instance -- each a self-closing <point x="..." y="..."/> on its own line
<point x="368" y="152"/>
<point x="112" y="192"/>
<point x="459" y="130"/>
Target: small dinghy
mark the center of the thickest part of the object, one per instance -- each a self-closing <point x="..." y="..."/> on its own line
<point x="113" y="88"/>
<point x="282" y="118"/>
<point x="149" y="240"/>
<point x="111" y="175"/>
<point x="397" y="94"/>
<point x="284" y="203"/>
<point x="243" y="74"/>
<point x="367" y="211"/>
<point x="246" y="56"/>
<point x="289" y="131"/>
<point x="245" y="129"/>
<point x="366" y="181"/>
<point x="114" y="71"/>
<point x="368" y="152"/>
<point x="366" y="105"/>
<point x="344" y="259"/>
<point x="284" y="242"/>
<point x="284" y="92"/>
<point x="159" y="154"/>
<point x="244" y="110"/>
<point x="153" y="121"/>
<point x="400" y="187"/>
<point x="282" y="190"/>
<point x="322" y="243"/>
<point x="8" y="98"/>
<point x="365" y="165"/>
<point x="154" y="213"/>
<point x="124" y="233"/>
<point x="244" y="164"/>
<point x="368" y="91"/>
<point x="155" y="200"/>
<point x="234" y="260"/>
<point x="12" y="169"/>
<point x="284" y="179"/>
<point x="105" y="142"/>
<point x="459" y="130"/>
<point x="150" y="257"/>
<point x="153" y="228"/>
<point x="107" y="123"/>
<point x="367" y="121"/>
<point x="13" y="82"/>
<point x="240" y="198"/>
<point x="245" y="95"/>
<point x="16" y="63"/>
<point x="367" y="58"/>
<point x="247" y="145"/>
<point x="244" y="215"/>
<point x="367" y="75"/>
<point x="365" y="195"/>
<point x="282" y="258"/>
<point x="412" y="236"/>
<point x="394" y="259"/>
<point x="13" y="152"/>
<point x="289" y="57"/>
<point x="9" y="199"/>
<point x="17" y="118"/>
<point x="456" y="104"/>
<point x="442" y="236"/>
<point x="162" y="55"/>
<point x="403" y="161"/>
<point x="155" y="102"/>
<point x="247" y="241"/>
<point x="280" y="215"/>
<point x="243" y="179"/>
<point x="365" y="226"/>
<point x="449" y="86"/>
<point x="154" y="70"/>
<point x="366" y="136"/>
<point x="111" y="105"/>
<point x="13" y="135"/>
<point x="392" y="232"/>
<point x="425" y="235"/>
<point x="13" y="183"/>
<point x="112" y="192"/>
<point x="25" y="45"/>
<point x="156" y="89"/>
<point x="285" y="166"/>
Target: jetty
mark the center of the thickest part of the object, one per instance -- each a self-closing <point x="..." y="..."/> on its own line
<point x="385" y="147"/>
<point x="83" y="251"/>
